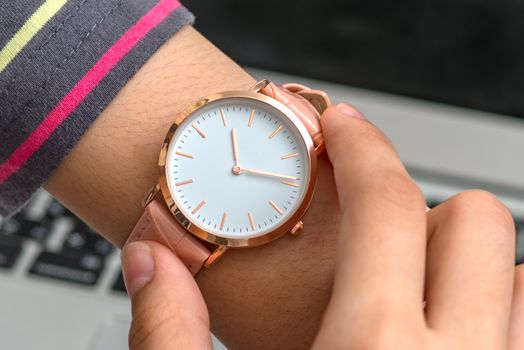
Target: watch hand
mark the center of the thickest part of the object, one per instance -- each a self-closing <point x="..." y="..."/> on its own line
<point x="265" y="173"/>
<point x="235" y="147"/>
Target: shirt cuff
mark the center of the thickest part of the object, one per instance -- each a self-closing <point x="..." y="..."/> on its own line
<point x="61" y="64"/>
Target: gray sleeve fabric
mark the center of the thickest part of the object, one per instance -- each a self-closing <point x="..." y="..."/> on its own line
<point x="61" y="64"/>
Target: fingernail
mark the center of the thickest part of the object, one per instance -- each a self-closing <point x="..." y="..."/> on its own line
<point x="138" y="266"/>
<point x="350" y="110"/>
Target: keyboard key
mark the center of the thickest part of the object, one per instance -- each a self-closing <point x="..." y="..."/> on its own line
<point x="56" y="209"/>
<point x="82" y="268"/>
<point x="119" y="284"/>
<point x="22" y="227"/>
<point x="8" y="255"/>
<point x="83" y="238"/>
<point x="10" y="227"/>
<point x="10" y="240"/>
<point x="10" y="248"/>
<point x="520" y="242"/>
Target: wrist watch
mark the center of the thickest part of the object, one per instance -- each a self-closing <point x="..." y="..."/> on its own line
<point x="237" y="169"/>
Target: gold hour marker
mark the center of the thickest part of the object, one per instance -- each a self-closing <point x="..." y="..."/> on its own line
<point x="184" y="182"/>
<point x="197" y="208"/>
<point x="223" y="115"/>
<point x="290" y="183"/>
<point x="276" y="131"/>
<point x="223" y="221"/>
<point x="184" y="155"/>
<point x="273" y="204"/>
<point x="287" y="156"/>
<point x="198" y="130"/>
<point x="251" y="221"/>
<point x="251" y="117"/>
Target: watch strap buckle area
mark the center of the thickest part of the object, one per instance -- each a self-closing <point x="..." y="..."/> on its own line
<point x="319" y="99"/>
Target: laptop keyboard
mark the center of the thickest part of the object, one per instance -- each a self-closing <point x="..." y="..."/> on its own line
<point x="69" y="251"/>
<point x="63" y="247"/>
<point x="10" y="248"/>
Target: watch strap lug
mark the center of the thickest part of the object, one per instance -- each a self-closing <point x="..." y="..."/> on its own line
<point x="259" y="85"/>
<point x="151" y="195"/>
<point x="319" y="149"/>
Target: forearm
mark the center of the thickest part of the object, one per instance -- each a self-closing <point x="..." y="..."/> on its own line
<point x="113" y="166"/>
<point x="271" y="296"/>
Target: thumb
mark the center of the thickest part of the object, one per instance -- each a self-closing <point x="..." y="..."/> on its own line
<point x="167" y="307"/>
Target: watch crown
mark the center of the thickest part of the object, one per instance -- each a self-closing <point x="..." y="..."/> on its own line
<point x="297" y="228"/>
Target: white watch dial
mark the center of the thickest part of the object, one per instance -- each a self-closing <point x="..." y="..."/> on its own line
<point x="238" y="168"/>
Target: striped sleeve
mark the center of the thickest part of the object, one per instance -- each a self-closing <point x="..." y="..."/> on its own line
<point x="61" y="64"/>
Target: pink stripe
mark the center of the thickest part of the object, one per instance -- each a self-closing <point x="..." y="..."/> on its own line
<point x="84" y="87"/>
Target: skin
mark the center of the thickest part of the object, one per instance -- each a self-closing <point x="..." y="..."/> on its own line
<point x="274" y="296"/>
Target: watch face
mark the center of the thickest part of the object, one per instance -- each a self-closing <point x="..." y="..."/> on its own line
<point x="239" y="168"/>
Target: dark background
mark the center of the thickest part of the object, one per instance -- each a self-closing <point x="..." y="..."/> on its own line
<point x="462" y="52"/>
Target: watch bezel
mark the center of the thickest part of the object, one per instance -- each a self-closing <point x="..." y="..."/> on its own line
<point x="238" y="242"/>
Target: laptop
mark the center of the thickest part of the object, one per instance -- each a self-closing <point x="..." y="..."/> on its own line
<point x="61" y="283"/>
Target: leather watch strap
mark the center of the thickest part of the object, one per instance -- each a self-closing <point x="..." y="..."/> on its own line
<point x="158" y="224"/>
<point x="306" y="103"/>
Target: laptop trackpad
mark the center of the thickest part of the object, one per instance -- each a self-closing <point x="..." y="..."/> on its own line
<point x="112" y="335"/>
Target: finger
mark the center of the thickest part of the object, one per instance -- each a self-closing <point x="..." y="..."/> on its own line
<point x="382" y="247"/>
<point x="167" y="307"/>
<point x="470" y="269"/>
<point x="516" y="334"/>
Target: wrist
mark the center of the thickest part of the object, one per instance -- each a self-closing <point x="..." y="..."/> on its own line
<point x="110" y="170"/>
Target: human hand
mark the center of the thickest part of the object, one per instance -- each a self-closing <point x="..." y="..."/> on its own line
<point x="167" y="307"/>
<point x="393" y="256"/>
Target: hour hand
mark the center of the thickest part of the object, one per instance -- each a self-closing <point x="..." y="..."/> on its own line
<point x="269" y="174"/>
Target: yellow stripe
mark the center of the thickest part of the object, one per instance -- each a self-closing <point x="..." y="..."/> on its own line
<point x="32" y="26"/>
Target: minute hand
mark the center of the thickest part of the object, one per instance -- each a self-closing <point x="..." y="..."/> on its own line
<point x="266" y="173"/>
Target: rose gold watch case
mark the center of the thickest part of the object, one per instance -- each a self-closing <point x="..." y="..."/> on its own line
<point x="238" y="242"/>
